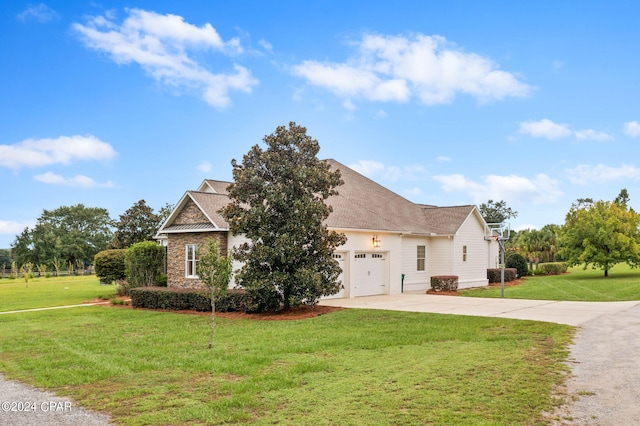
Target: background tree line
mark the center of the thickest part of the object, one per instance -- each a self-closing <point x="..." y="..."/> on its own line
<point x="70" y="236"/>
<point x="598" y="233"/>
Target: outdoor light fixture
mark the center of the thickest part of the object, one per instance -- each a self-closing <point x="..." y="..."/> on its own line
<point x="375" y="242"/>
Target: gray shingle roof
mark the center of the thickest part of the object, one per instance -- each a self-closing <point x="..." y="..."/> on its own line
<point x="218" y="185"/>
<point x="364" y="204"/>
<point x="361" y="204"/>
<point x="210" y="203"/>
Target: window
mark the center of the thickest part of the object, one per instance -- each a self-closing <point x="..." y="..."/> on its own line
<point x="421" y="258"/>
<point x="191" y="261"/>
<point x="361" y="256"/>
<point x="464" y="253"/>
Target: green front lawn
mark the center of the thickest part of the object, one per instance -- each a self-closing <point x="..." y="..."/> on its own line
<point x="350" y="367"/>
<point x="623" y="283"/>
<point x="47" y="292"/>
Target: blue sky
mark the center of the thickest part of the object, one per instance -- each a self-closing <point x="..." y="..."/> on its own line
<point x="446" y="103"/>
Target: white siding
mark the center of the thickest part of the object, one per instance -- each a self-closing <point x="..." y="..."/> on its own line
<point x="414" y="279"/>
<point x="473" y="271"/>
<point x="390" y="246"/>
<point x="440" y="258"/>
<point x="235" y="241"/>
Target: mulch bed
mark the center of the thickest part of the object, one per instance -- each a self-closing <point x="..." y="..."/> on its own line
<point x="296" y="313"/>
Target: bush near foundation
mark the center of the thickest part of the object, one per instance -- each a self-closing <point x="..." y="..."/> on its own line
<point x="517" y="261"/>
<point x="177" y="299"/>
<point x="493" y="274"/>
<point x="109" y="265"/>
<point x="444" y="283"/>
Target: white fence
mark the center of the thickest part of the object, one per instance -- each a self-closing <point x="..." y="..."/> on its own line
<point x="6" y="273"/>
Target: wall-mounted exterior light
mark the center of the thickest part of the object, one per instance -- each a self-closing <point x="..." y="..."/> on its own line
<point x="375" y="242"/>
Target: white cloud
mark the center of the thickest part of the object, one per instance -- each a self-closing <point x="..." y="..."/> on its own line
<point x="160" y="45"/>
<point x="381" y="114"/>
<point x="367" y="167"/>
<point x="592" y="135"/>
<point x="415" y="191"/>
<point x="557" y="66"/>
<point x="397" y="68"/>
<point x="348" y="105"/>
<point x="545" y="129"/>
<point x="266" y="45"/>
<point x="79" y="181"/>
<point x="63" y="150"/>
<point x="12" y="227"/>
<point x="526" y="226"/>
<point x="585" y="174"/>
<point x="371" y="169"/>
<point x="40" y="12"/>
<point x="632" y="128"/>
<point x="443" y="159"/>
<point x="205" y="167"/>
<point x="512" y="188"/>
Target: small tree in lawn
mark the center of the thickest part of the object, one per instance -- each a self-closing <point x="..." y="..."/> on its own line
<point x="214" y="270"/>
<point x="601" y="233"/>
<point x="278" y="202"/>
<point x="56" y="265"/>
<point x="27" y="269"/>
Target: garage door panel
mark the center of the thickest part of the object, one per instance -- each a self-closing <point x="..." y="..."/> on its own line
<point x="340" y="257"/>
<point x="369" y="274"/>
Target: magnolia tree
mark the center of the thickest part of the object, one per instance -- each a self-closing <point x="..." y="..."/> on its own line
<point x="214" y="270"/>
<point x="278" y="201"/>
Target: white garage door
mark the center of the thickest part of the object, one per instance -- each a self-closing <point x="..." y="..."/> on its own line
<point x="369" y="274"/>
<point x="340" y="258"/>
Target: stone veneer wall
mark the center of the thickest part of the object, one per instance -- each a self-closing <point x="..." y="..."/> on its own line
<point x="190" y="213"/>
<point x="176" y="256"/>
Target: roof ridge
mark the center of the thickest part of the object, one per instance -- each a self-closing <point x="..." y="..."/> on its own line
<point x="372" y="181"/>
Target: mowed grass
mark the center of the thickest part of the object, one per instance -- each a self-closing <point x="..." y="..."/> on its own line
<point x="623" y="283"/>
<point x="48" y="292"/>
<point x="350" y="367"/>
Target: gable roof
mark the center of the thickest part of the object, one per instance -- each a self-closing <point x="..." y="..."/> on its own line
<point x="215" y="186"/>
<point x="209" y="203"/>
<point x="362" y="204"/>
<point x="365" y="204"/>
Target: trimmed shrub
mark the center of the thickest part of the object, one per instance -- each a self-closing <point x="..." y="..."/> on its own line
<point x="553" y="268"/>
<point x="537" y="271"/>
<point x="162" y="280"/>
<point x="494" y="275"/>
<point x="109" y="265"/>
<point x="176" y="299"/>
<point x="143" y="264"/>
<point x="444" y="283"/>
<point x="518" y="262"/>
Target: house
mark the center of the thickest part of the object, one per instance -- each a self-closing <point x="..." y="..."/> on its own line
<point x="393" y="245"/>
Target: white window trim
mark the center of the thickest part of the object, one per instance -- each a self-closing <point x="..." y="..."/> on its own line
<point x="418" y="258"/>
<point x="189" y="260"/>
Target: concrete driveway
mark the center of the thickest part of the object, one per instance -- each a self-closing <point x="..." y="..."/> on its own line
<point x="571" y="313"/>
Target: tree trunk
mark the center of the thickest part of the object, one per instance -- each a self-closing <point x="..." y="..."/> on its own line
<point x="606" y="272"/>
<point x="213" y="320"/>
